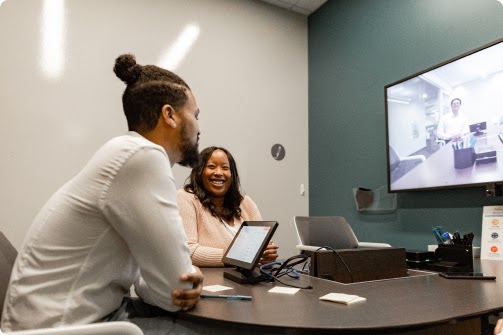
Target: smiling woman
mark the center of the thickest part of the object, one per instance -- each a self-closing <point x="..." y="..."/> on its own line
<point x="213" y="208"/>
<point x="217" y="178"/>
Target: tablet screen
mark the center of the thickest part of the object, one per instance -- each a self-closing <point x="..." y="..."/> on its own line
<point x="249" y="244"/>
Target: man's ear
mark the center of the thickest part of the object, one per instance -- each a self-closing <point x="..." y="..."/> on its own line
<point x="168" y="115"/>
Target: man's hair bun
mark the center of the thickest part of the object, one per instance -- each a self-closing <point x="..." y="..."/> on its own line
<point x="126" y="68"/>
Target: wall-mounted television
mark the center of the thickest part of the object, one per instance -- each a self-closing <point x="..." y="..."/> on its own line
<point x="443" y="123"/>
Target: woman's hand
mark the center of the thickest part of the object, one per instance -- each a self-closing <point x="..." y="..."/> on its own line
<point x="188" y="298"/>
<point x="499" y="327"/>
<point x="270" y="254"/>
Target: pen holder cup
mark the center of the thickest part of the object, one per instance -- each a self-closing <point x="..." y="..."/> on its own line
<point x="464" y="158"/>
<point x="460" y="257"/>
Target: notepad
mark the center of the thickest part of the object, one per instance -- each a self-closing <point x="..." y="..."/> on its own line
<point x="343" y="298"/>
<point x="284" y="290"/>
<point x="216" y="288"/>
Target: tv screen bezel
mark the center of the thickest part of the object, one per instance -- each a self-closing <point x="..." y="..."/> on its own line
<point x="489" y="184"/>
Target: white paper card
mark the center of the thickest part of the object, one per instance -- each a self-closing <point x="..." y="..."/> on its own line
<point x="491" y="246"/>
<point x="342" y="298"/>
<point x="216" y="288"/>
<point x="284" y="290"/>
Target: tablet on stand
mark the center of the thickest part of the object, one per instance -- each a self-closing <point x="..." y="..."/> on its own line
<point x="245" y="251"/>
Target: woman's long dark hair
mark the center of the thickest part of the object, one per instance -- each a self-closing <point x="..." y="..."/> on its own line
<point x="233" y="197"/>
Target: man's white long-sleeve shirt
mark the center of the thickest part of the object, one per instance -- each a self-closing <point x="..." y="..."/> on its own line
<point x="114" y="224"/>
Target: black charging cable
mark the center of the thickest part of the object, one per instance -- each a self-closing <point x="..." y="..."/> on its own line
<point x="338" y="255"/>
<point x="275" y="270"/>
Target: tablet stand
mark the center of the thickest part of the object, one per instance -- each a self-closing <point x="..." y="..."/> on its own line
<point x="243" y="276"/>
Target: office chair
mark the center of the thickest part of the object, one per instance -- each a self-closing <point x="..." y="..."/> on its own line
<point x="8" y="256"/>
<point x="399" y="166"/>
<point x="314" y="232"/>
<point x="104" y="328"/>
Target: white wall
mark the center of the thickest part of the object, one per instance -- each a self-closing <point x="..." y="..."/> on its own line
<point x="248" y="71"/>
<point x="406" y="127"/>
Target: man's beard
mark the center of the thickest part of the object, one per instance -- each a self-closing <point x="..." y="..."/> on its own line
<point x="189" y="151"/>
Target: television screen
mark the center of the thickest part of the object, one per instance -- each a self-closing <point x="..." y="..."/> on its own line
<point x="443" y="124"/>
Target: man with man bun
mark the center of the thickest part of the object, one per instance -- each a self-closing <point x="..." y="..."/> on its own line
<point x="116" y="223"/>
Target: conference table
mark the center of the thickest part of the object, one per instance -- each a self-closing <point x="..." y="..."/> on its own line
<point x="423" y="303"/>
<point x="438" y="169"/>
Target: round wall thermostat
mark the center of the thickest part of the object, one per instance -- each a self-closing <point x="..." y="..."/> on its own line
<point x="278" y="152"/>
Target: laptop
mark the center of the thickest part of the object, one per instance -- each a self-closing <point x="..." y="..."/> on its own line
<point x="333" y="231"/>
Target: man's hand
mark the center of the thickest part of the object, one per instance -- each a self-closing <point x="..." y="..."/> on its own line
<point x="456" y="137"/>
<point x="187" y="299"/>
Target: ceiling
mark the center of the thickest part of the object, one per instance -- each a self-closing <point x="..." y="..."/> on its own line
<point x="476" y="67"/>
<point x="305" y="7"/>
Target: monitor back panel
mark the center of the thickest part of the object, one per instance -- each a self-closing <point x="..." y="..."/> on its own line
<point x="333" y="231"/>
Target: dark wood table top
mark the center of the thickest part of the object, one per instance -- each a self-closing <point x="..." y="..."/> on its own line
<point x="439" y="170"/>
<point x="408" y="303"/>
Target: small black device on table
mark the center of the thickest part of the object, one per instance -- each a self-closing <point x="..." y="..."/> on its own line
<point x="466" y="275"/>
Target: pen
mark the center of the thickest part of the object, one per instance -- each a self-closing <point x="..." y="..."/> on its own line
<point x="228" y="297"/>
<point x="457" y="238"/>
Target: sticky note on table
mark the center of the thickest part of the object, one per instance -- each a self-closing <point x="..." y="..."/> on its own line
<point x="284" y="290"/>
<point x="216" y="288"/>
<point x="342" y="298"/>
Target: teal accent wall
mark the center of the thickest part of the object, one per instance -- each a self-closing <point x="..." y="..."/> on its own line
<point x="356" y="47"/>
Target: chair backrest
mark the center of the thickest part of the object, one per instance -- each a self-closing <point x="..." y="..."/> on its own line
<point x="8" y="256"/>
<point x="394" y="159"/>
<point x="330" y="231"/>
<point x="100" y="328"/>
